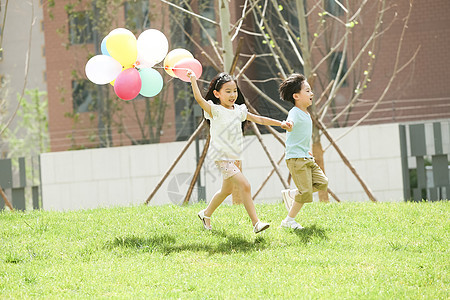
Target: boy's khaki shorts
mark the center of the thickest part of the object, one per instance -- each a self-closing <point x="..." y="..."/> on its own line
<point x="308" y="178"/>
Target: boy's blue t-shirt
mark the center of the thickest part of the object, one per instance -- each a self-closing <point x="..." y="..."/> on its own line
<point x="298" y="141"/>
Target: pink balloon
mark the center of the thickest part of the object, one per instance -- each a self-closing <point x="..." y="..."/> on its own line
<point x="128" y="84"/>
<point x="180" y="68"/>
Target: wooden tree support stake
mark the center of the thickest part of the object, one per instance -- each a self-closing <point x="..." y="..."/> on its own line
<point x="275" y="133"/>
<point x="344" y="159"/>
<point x="189" y="142"/>
<point x="197" y="170"/>
<point x="333" y="195"/>
<point x="275" y="166"/>
<point x="267" y="178"/>
<point x="7" y="203"/>
<point x="236" y="56"/>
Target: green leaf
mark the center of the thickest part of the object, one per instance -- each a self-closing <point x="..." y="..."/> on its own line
<point x="350" y="25"/>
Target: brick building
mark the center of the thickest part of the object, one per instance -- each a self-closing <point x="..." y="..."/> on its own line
<point x="419" y="92"/>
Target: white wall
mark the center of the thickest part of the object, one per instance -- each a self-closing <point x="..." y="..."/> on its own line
<point x="374" y="151"/>
<point x="127" y="175"/>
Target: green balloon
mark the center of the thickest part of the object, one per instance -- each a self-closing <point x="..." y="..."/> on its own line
<point x="152" y="82"/>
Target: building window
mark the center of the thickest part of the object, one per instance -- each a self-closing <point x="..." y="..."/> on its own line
<point x="333" y="8"/>
<point x="137" y="15"/>
<point x="80" y="28"/>
<point x="84" y="95"/>
<point x="206" y="9"/>
<point x="336" y="58"/>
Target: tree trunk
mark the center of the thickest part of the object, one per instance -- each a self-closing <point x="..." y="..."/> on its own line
<point x="224" y="13"/>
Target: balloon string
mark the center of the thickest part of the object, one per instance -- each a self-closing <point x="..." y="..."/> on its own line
<point x="171" y="68"/>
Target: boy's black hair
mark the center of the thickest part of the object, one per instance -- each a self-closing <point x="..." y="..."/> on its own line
<point x="290" y="86"/>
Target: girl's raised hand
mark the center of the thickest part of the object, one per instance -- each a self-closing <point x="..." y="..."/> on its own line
<point x="191" y="74"/>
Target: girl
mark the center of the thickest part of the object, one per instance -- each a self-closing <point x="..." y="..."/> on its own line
<point x="226" y="146"/>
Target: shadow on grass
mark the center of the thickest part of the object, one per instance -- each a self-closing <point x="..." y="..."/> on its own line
<point x="167" y="244"/>
<point x="311" y="232"/>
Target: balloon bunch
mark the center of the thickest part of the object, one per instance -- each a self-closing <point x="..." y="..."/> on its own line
<point x="128" y="63"/>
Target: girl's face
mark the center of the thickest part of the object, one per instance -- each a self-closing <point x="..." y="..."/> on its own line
<point x="303" y="99"/>
<point x="227" y="94"/>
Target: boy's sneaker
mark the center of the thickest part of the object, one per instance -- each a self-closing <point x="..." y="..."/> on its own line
<point x="291" y="224"/>
<point x="287" y="199"/>
<point x="260" y="226"/>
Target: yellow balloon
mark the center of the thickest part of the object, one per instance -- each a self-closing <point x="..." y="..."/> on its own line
<point x="123" y="48"/>
<point x="173" y="57"/>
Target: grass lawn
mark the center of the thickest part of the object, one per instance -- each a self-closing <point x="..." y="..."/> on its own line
<point x="346" y="251"/>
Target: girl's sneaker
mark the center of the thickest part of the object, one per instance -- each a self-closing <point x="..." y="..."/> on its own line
<point x="260" y="226"/>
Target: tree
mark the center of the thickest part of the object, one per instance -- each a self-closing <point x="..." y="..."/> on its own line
<point x="323" y="39"/>
<point x="3" y="111"/>
<point x="30" y="136"/>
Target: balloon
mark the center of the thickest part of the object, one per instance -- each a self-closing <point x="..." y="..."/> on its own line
<point x="121" y="31"/>
<point x="123" y="48"/>
<point x="144" y="64"/>
<point x="102" y="69"/>
<point x="103" y="46"/>
<point x="181" y="67"/>
<point x="152" y="82"/>
<point x="152" y="46"/>
<point x="128" y="84"/>
<point x="173" y="57"/>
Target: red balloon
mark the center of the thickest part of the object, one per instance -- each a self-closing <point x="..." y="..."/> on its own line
<point x="128" y="84"/>
<point x="181" y="67"/>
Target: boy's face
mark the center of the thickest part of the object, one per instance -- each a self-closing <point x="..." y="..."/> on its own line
<point x="303" y="99"/>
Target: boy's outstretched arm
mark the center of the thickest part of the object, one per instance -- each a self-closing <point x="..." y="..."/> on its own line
<point x="197" y="95"/>
<point x="268" y="121"/>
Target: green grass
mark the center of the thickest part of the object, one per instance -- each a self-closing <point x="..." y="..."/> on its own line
<point x="346" y="251"/>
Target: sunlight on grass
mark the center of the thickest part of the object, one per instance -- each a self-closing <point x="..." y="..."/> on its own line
<point x="346" y="251"/>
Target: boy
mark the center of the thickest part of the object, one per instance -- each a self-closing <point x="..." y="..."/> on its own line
<point x="307" y="175"/>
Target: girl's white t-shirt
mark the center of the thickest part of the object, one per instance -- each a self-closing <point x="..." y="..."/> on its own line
<point x="226" y="132"/>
